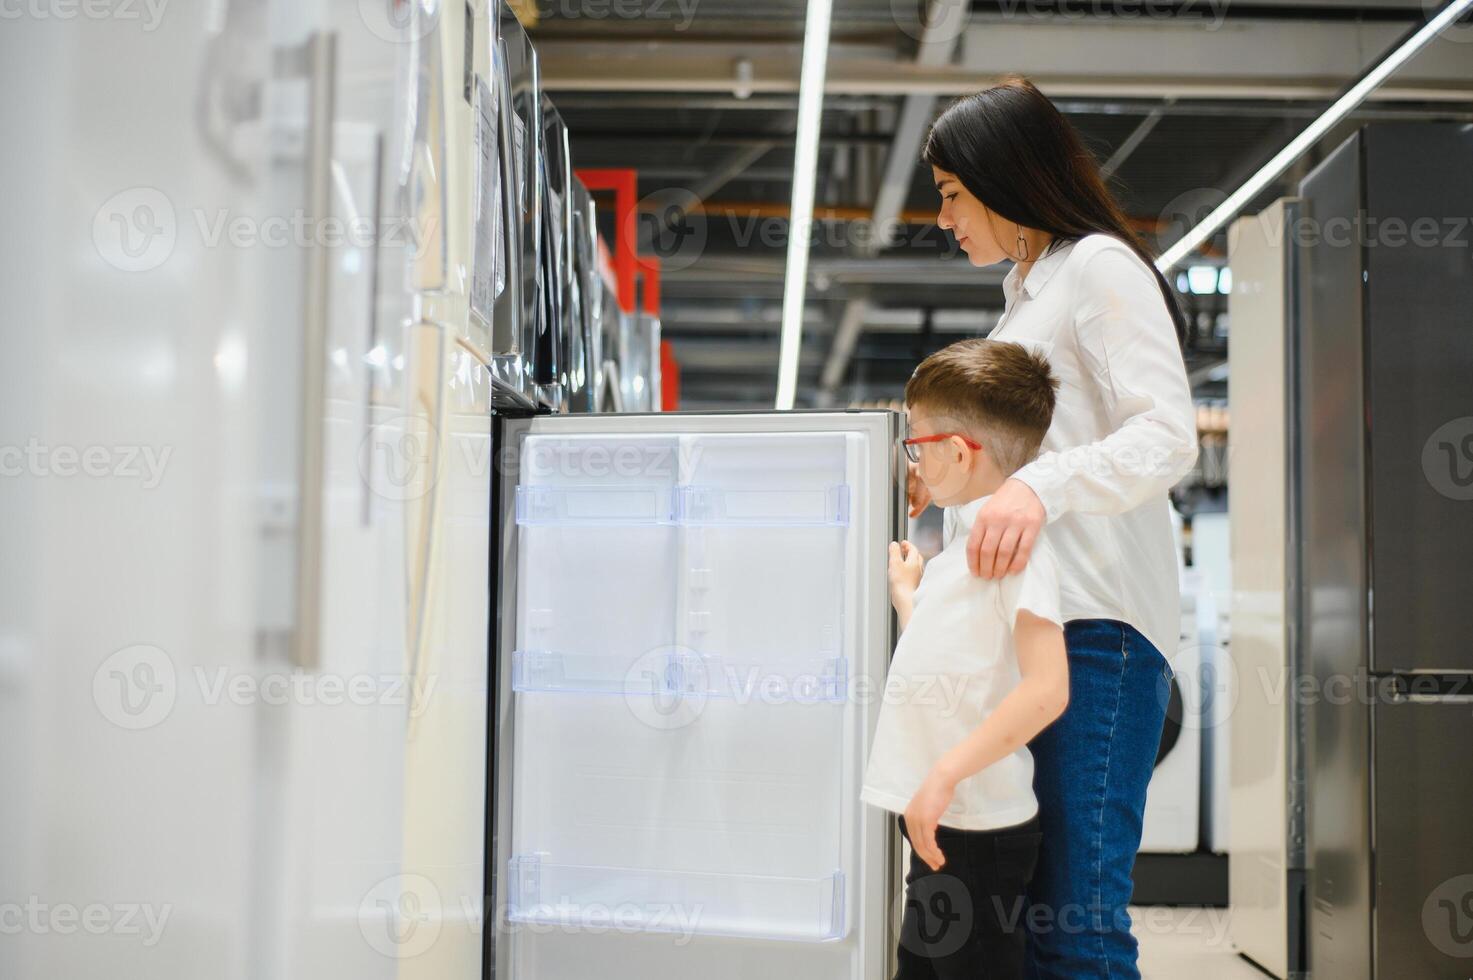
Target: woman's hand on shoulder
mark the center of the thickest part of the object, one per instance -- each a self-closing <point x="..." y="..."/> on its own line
<point x="1003" y="534"/>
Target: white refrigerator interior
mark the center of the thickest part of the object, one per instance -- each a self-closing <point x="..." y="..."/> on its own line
<point x="691" y="611"/>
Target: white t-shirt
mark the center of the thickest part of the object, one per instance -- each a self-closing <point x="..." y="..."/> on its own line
<point x="1124" y="430"/>
<point x="954" y="664"/>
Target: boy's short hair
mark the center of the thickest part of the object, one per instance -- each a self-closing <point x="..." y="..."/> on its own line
<point x="1000" y="391"/>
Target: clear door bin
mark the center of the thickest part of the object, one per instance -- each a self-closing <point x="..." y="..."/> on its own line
<point x="682" y="675"/>
<point x="642" y="900"/>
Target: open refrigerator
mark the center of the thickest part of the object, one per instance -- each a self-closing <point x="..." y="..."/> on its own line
<point x="691" y="636"/>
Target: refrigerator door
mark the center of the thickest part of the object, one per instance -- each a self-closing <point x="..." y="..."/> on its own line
<point x="523" y="134"/>
<point x="1329" y="458"/>
<point x="514" y="332"/>
<point x="1419" y="431"/>
<point x="1266" y="836"/>
<point x="1424" y="853"/>
<point x="581" y="352"/>
<point x="692" y="625"/>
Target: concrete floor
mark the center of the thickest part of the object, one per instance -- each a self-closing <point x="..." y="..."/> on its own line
<point x="1178" y="943"/>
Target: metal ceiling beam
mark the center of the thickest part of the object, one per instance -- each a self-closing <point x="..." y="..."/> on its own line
<point x="888" y="78"/>
<point x="1135" y="139"/>
<point x="936" y="47"/>
<point x="1151" y="59"/>
<point x="925" y="271"/>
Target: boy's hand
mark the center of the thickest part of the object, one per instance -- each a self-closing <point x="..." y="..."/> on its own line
<point x="906" y="566"/>
<point x="923" y="814"/>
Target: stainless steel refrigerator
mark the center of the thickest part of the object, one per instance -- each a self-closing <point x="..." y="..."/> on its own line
<point x="691" y="635"/>
<point x="1383" y="456"/>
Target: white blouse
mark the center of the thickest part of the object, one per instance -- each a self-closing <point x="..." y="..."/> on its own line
<point x="1124" y="430"/>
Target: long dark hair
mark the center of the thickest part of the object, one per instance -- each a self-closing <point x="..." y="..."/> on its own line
<point x="1012" y="148"/>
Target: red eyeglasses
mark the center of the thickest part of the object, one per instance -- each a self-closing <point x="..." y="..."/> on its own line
<point x="913" y="452"/>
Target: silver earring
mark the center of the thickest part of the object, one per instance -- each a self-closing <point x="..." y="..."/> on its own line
<point x="1022" y="247"/>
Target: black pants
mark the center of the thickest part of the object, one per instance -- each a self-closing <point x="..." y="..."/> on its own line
<point x="968" y="920"/>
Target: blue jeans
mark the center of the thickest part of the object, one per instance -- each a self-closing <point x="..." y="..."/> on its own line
<point x="1091" y="768"/>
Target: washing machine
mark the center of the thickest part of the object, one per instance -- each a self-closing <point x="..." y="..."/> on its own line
<point x="1174" y="797"/>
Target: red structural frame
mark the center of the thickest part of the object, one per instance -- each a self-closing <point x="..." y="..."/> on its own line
<point x="629" y="267"/>
<point x="624" y="184"/>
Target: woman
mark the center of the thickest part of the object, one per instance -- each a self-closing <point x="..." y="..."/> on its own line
<point x="1016" y="183"/>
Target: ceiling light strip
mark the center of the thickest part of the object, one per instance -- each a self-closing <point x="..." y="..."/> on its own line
<point x="1338" y="110"/>
<point x="800" y="220"/>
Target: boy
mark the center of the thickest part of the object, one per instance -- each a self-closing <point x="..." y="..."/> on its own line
<point x="979" y="670"/>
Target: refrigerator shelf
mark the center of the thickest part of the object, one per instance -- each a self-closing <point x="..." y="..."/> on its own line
<point x="683" y="674"/>
<point x="695" y="506"/>
<point x="612" y="505"/>
<point x="827" y="506"/>
<point x="645" y="900"/>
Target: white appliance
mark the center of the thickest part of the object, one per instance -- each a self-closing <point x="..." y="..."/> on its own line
<point x="1211" y="559"/>
<point x="1267" y="859"/>
<point x="1173" y="798"/>
<point x="242" y="630"/>
<point x="693" y="632"/>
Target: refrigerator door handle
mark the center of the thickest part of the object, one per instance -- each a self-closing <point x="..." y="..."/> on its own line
<point x="427" y="393"/>
<point x="1422" y="687"/>
<point x="321" y="54"/>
